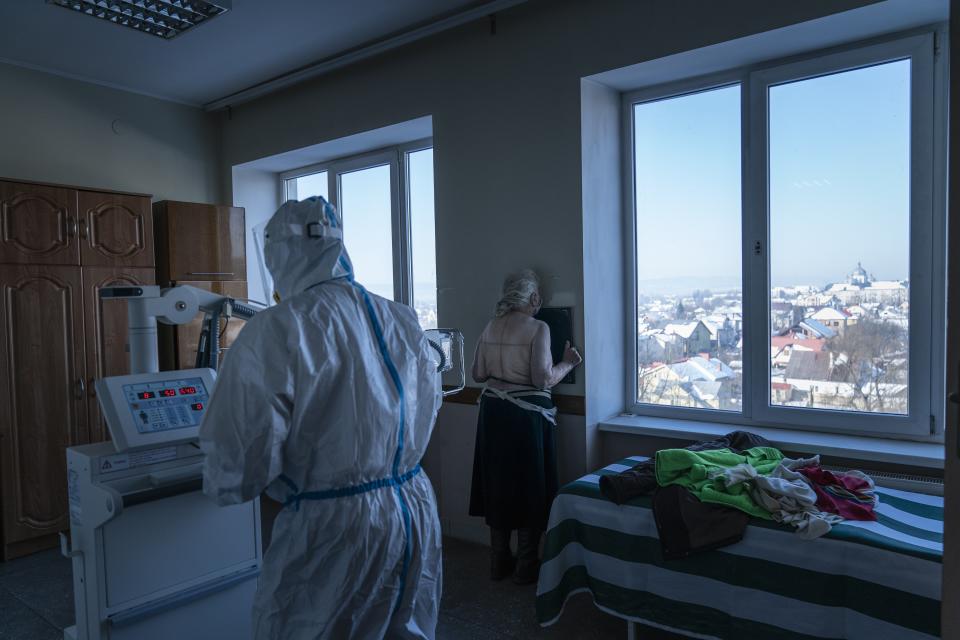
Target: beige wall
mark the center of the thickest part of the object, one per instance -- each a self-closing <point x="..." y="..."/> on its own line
<point x="54" y="129"/>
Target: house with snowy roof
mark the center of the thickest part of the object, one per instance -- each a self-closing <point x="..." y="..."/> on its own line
<point x="835" y="319"/>
<point x="695" y="336"/>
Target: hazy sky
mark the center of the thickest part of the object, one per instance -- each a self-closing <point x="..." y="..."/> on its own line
<point x="839" y="188"/>
<point x="367" y="225"/>
<point x="422" y="225"/>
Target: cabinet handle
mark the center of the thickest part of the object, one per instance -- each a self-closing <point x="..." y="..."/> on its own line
<point x="83" y="229"/>
<point x="71" y="227"/>
<point x="81" y="388"/>
<point x="210" y="273"/>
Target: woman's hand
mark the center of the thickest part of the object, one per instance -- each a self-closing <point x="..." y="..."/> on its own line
<point x="571" y="355"/>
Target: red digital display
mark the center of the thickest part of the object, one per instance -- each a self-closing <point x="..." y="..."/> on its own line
<point x="197" y="406"/>
<point x="145" y="395"/>
<point x="186" y="391"/>
<point x="168" y="393"/>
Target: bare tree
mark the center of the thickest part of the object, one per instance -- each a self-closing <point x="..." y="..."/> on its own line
<point x="870" y="356"/>
<point x="654" y="388"/>
<point x="645" y="387"/>
<point x="649" y="387"/>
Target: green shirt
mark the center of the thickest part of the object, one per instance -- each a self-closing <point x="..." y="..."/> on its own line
<point x="701" y="473"/>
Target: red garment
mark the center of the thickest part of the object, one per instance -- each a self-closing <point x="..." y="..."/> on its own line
<point x="845" y="495"/>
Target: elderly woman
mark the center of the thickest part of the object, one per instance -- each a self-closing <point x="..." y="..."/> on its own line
<point x="515" y="460"/>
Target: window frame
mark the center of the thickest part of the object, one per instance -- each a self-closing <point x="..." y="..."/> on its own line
<point x="396" y="157"/>
<point x="927" y="257"/>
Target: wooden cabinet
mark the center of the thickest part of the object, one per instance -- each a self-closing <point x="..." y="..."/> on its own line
<point x="106" y="334"/>
<point x="115" y="230"/>
<point x="199" y="242"/>
<point x="38" y="224"/>
<point x="58" y="247"/>
<point x="204" y="246"/>
<point x="43" y="398"/>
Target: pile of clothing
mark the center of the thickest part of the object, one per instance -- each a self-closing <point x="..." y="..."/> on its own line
<point x="705" y="494"/>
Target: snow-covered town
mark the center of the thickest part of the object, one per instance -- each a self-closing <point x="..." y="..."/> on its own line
<point x="426" y="312"/>
<point x="840" y="346"/>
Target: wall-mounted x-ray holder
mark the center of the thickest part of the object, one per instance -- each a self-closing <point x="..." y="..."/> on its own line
<point x="448" y="344"/>
<point x="560" y="321"/>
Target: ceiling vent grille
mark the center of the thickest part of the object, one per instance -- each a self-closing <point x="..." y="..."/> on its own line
<point x="161" y="18"/>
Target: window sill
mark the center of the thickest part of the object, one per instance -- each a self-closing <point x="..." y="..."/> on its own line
<point x="917" y="454"/>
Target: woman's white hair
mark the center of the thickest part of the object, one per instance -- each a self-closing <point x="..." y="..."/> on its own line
<point x="518" y="288"/>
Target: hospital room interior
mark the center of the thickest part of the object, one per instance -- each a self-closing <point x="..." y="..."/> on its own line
<point x="479" y="319"/>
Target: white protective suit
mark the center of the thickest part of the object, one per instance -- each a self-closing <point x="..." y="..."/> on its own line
<point x="327" y="401"/>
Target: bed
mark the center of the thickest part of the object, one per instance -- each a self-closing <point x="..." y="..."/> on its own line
<point x="869" y="580"/>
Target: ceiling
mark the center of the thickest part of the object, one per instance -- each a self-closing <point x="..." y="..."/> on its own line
<point x="256" y="41"/>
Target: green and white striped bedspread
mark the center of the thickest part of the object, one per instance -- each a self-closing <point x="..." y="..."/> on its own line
<point x="872" y="580"/>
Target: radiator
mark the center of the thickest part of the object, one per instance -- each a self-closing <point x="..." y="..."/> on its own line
<point x="904" y="481"/>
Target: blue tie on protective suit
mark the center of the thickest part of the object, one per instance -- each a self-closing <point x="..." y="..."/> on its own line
<point x="327" y="401"/>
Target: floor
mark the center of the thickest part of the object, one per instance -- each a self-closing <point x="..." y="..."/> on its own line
<point x="36" y="597"/>
<point x="36" y="602"/>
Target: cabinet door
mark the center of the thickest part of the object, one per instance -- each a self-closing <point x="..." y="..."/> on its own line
<point x="115" y="230"/>
<point x="188" y="335"/>
<point x="42" y="397"/>
<point x="106" y="334"/>
<point x="38" y="225"/>
<point x="204" y="242"/>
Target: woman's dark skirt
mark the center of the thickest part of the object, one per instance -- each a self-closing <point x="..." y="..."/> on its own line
<point x="514" y="464"/>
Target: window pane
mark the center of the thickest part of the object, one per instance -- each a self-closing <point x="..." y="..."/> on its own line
<point x="313" y="185"/>
<point x="689" y="284"/>
<point x="423" y="239"/>
<point x="840" y="240"/>
<point x="368" y="227"/>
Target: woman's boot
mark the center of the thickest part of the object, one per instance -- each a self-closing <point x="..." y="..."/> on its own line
<point x="528" y="556"/>
<point x="501" y="558"/>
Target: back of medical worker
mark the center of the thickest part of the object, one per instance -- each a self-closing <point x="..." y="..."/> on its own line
<point x="327" y="401"/>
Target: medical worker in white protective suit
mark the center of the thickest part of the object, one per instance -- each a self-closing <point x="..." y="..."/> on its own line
<point x="327" y="401"/>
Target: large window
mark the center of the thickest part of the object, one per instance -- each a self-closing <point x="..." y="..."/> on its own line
<point x="783" y="255"/>
<point x="386" y="201"/>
